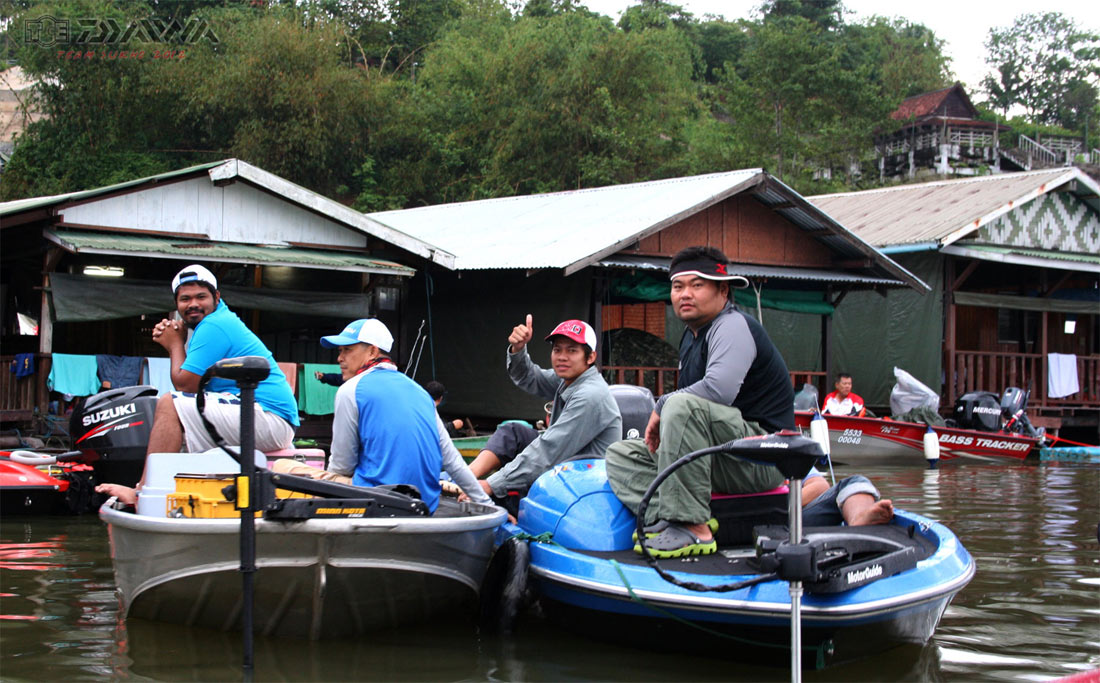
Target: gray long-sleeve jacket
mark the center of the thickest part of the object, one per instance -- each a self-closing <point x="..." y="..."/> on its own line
<point x="585" y="420"/>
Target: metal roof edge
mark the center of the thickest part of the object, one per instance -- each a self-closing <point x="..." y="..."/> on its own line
<point x="1022" y="260"/>
<point x="759" y="176"/>
<point x="867" y="248"/>
<point x="235" y="168"/>
<point x="1071" y="173"/>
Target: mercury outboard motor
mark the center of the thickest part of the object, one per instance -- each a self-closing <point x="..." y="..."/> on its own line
<point x="978" y="410"/>
<point x="112" y="428"/>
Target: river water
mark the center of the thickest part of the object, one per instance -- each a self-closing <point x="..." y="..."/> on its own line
<point x="1031" y="613"/>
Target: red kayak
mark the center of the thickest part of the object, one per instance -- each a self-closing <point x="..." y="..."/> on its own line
<point x="881" y="441"/>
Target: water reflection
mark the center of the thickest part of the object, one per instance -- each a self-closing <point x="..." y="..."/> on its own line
<point x="1031" y="612"/>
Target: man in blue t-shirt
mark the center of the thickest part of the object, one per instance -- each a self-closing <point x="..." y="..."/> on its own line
<point x="218" y="333"/>
<point x="385" y="429"/>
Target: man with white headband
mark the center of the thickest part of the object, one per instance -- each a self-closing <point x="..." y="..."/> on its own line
<point x="733" y="383"/>
<point x="217" y="334"/>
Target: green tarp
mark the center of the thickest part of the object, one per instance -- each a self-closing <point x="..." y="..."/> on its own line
<point x="82" y="298"/>
<point x="644" y="287"/>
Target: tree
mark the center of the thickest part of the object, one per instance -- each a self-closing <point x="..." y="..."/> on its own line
<point x="1046" y="64"/>
<point x="800" y="99"/>
<point x="535" y="104"/>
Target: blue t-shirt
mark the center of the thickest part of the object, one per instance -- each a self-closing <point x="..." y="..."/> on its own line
<point x="398" y="435"/>
<point x="222" y="335"/>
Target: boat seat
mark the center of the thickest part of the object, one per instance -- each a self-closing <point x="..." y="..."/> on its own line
<point x="738" y="513"/>
<point x="309" y="456"/>
<point x="635" y="405"/>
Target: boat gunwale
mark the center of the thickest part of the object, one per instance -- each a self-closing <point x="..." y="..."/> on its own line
<point x="491" y="518"/>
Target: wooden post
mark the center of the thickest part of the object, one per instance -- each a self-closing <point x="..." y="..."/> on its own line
<point x="45" y="331"/>
<point x="949" y="340"/>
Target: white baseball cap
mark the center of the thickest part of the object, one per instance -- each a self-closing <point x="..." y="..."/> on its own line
<point x="365" y="330"/>
<point x="194" y="273"/>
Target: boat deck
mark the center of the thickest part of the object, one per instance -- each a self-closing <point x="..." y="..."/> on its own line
<point x="740" y="560"/>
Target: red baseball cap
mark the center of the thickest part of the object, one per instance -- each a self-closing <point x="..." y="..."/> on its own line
<point x="577" y="330"/>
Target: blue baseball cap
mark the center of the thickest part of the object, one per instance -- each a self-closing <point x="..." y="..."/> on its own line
<point x="363" y="331"/>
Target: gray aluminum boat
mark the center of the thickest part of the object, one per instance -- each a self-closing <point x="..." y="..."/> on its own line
<point x="316" y="578"/>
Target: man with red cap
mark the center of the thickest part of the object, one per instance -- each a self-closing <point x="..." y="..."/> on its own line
<point x="584" y="419"/>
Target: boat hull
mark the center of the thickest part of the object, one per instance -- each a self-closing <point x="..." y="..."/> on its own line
<point x="318" y="578"/>
<point x="591" y="579"/>
<point x="877" y="441"/>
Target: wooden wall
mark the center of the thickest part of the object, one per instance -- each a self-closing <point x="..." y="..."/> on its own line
<point x="746" y="230"/>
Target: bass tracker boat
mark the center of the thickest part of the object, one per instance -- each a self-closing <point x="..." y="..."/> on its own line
<point x="982" y="429"/>
<point x="867" y="588"/>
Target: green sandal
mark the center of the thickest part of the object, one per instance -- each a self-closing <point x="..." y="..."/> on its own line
<point x="676" y="541"/>
<point x="662" y="524"/>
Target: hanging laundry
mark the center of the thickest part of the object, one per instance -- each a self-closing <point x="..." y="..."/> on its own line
<point x="73" y="374"/>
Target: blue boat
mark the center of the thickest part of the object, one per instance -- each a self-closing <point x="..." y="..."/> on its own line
<point x="872" y="588"/>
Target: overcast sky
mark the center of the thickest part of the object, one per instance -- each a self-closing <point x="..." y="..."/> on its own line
<point x="963" y="24"/>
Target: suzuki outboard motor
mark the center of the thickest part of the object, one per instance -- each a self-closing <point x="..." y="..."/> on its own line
<point x="978" y="410"/>
<point x="112" y="429"/>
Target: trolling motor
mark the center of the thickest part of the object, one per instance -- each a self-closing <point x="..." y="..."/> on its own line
<point x="824" y="560"/>
<point x="255" y="491"/>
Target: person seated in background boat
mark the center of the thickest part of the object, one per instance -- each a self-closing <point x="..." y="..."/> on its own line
<point x="438" y="392"/>
<point x="385" y="429"/>
<point x="218" y="334"/>
<point x="843" y="401"/>
<point x="584" y="418"/>
<point x="733" y="383"/>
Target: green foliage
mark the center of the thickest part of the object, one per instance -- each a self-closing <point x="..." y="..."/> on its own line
<point x="1046" y="64"/>
<point x="538" y="104"/>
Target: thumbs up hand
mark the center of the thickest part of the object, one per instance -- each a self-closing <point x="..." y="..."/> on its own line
<point x="521" y="334"/>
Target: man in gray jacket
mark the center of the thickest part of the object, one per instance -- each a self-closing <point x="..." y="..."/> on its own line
<point x="584" y="419"/>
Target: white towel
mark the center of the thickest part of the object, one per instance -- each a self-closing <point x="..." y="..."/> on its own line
<point x="1062" y="375"/>
<point x="158" y="372"/>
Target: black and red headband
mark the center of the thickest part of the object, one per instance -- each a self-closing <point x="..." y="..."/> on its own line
<point x="708" y="269"/>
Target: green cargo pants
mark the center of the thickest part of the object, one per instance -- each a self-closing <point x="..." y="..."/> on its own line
<point x="688" y="423"/>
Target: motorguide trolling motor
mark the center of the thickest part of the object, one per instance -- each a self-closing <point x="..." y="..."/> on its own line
<point x="838" y="559"/>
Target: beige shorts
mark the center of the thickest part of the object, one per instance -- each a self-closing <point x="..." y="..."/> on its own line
<point x="223" y="410"/>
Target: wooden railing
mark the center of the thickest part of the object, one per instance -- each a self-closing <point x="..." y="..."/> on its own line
<point x="17" y="395"/>
<point x="1036" y="153"/>
<point x="992" y="371"/>
<point x="661" y="380"/>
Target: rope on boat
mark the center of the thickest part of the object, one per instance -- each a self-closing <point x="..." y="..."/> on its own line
<point x="820" y="651"/>
<point x="1056" y="439"/>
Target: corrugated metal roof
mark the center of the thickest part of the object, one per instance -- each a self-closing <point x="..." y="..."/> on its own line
<point x="1026" y="257"/>
<point x="234" y="169"/>
<point x="660" y="264"/>
<point x="947" y="210"/>
<point x="574" y="229"/>
<point x="561" y="229"/>
<point x="79" y="241"/>
<point x="20" y="205"/>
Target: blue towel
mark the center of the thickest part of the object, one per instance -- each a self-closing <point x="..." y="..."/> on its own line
<point x="158" y="372"/>
<point x="120" y="371"/>
<point x="23" y="365"/>
<point x="74" y="375"/>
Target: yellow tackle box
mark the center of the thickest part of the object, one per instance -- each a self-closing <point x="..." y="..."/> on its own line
<point x="199" y="496"/>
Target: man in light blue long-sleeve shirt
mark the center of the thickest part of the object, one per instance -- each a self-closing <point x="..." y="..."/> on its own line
<point x="584" y="419"/>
